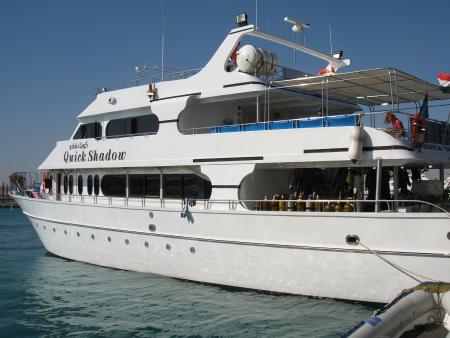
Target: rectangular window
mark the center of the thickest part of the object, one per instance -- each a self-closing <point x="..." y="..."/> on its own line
<point x="192" y="186"/>
<point x="172" y="186"/>
<point x="152" y="186"/>
<point x="136" y="185"/>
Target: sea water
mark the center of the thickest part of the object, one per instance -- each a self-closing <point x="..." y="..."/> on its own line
<point x="43" y="295"/>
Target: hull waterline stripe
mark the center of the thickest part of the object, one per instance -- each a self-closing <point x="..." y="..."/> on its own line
<point x="233" y="242"/>
<point x="176" y="96"/>
<point x="168" y="121"/>
<point x="243" y="84"/>
<point x="228" y="159"/>
<point x="337" y="150"/>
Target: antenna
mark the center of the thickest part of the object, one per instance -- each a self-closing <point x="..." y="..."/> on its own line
<point x="256" y="16"/>
<point x="331" y="41"/>
<point x="162" y="40"/>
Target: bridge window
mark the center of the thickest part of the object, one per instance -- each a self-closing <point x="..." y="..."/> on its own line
<point x="89" y="130"/>
<point x="140" y="125"/>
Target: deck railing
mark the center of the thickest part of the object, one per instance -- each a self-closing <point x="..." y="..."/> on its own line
<point x="310" y="205"/>
<point x="437" y="132"/>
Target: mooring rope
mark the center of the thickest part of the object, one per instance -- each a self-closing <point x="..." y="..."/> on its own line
<point x="407" y="272"/>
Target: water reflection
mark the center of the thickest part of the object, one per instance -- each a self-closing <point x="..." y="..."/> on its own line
<point x="51" y="296"/>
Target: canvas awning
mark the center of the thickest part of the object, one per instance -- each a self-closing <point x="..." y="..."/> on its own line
<point x="367" y="87"/>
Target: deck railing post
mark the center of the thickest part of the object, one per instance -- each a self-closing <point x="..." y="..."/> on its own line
<point x="378" y="185"/>
<point x="395" y="188"/>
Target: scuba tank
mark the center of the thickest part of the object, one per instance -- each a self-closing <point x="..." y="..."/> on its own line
<point x="348" y="207"/>
<point x="283" y="204"/>
<point x="275" y="204"/>
<point x="327" y="207"/>
<point x="309" y="204"/>
<point x="300" y="204"/>
<point x="266" y="204"/>
<point x="292" y="206"/>
<point x="317" y="203"/>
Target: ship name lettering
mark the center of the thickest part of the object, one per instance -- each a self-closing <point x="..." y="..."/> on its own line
<point x="94" y="156"/>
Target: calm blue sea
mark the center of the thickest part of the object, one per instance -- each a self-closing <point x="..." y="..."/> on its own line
<point x="42" y="295"/>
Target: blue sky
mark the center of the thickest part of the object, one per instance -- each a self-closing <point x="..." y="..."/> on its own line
<point x="54" y="54"/>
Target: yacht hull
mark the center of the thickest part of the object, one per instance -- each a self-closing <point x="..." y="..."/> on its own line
<point x="287" y="252"/>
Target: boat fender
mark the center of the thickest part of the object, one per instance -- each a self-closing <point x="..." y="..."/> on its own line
<point x="355" y="144"/>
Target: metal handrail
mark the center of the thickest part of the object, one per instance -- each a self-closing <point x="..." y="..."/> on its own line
<point x="232" y="204"/>
<point x="362" y="118"/>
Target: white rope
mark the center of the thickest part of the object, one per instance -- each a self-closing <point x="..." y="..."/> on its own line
<point x="407" y="272"/>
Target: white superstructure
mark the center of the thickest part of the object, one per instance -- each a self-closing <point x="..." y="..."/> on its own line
<point x="231" y="176"/>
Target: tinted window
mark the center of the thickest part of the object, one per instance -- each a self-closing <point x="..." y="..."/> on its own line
<point x="136" y="185"/>
<point x="186" y="186"/>
<point x="66" y="184"/>
<point x="89" y="184"/>
<point x="172" y="186"/>
<point x="144" y="185"/>
<point x="80" y="185"/>
<point x="96" y="185"/>
<point x="70" y="184"/>
<point x="141" y="125"/>
<point x="89" y="130"/>
<point x="152" y="185"/>
<point x="113" y="185"/>
<point x="196" y="187"/>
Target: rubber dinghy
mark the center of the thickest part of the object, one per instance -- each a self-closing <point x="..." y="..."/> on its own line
<point x="422" y="311"/>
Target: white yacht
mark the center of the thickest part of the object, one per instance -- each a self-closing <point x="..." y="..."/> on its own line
<point x="249" y="174"/>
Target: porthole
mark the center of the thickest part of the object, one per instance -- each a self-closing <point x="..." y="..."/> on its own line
<point x="152" y="227"/>
<point x="96" y="185"/>
<point x="54" y="230"/>
<point x="78" y="234"/>
<point x="146" y="244"/>
<point x="45" y="228"/>
<point x="192" y="250"/>
<point x="448" y="235"/>
<point x="65" y="232"/>
<point x="71" y="184"/>
<point x="127" y="242"/>
<point x="109" y="239"/>
<point x="168" y="247"/>
<point x="89" y="185"/>
<point x="352" y="239"/>
<point x="92" y="236"/>
<point x="80" y="185"/>
<point x="150" y="214"/>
